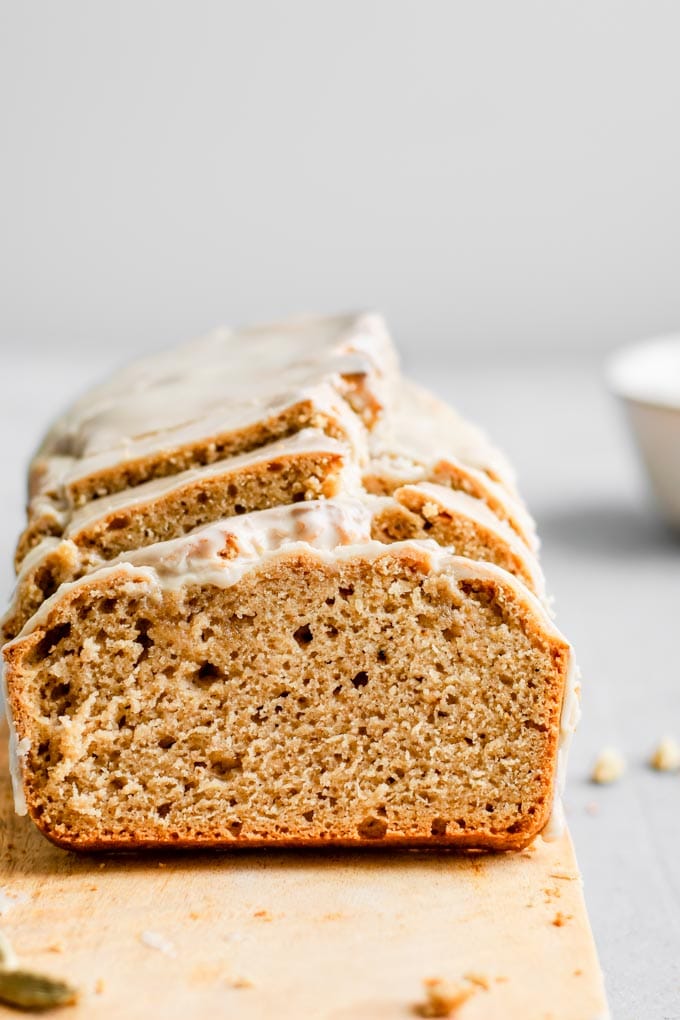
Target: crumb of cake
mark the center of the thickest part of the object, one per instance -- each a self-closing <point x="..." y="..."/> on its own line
<point x="241" y="982"/>
<point x="477" y="979"/>
<point x="666" y="756"/>
<point x="443" y="998"/>
<point x="564" y="876"/>
<point x="99" y="986"/>
<point x="578" y="972"/>
<point x="55" y="947"/>
<point x="263" y="915"/>
<point x="609" y="766"/>
<point x="194" y="915"/>
<point x="502" y="980"/>
<point x="560" y="919"/>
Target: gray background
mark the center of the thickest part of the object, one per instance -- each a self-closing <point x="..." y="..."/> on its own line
<point x="501" y="179"/>
<point x="491" y="174"/>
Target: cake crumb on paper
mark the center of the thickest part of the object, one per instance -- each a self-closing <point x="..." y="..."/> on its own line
<point x="477" y="979"/>
<point x="666" y="756"/>
<point x="444" y="998"/>
<point x="241" y="982"/>
<point x="609" y="766"/>
<point x="560" y="919"/>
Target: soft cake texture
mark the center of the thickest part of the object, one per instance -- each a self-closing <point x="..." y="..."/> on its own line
<point x="380" y="694"/>
<point x="272" y="593"/>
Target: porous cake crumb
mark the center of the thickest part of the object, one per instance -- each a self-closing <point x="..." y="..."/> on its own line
<point x="444" y="998"/>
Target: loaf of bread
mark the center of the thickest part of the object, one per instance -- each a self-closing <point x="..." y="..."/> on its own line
<point x="271" y="593"/>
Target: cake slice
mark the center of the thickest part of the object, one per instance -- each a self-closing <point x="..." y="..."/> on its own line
<point x="280" y="679"/>
<point x="304" y="466"/>
<point x="227" y="393"/>
<point x="424" y="440"/>
<point x="462" y="523"/>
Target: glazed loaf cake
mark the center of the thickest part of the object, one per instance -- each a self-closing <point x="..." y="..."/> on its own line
<point x="281" y="615"/>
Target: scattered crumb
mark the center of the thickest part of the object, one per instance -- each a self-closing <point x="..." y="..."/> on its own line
<point x="592" y="808"/>
<point x="99" y="986"/>
<point x="55" y="947"/>
<point x="154" y="940"/>
<point x="443" y="998"/>
<point x="477" y="979"/>
<point x="336" y="916"/>
<point x="609" y="766"/>
<point x="578" y="973"/>
<point x="564" y="875"/>
<point x="102" y="865"/>
<point x="263" y="915"/>
<point x="241" y="982"/>
<point x="666" y="757"/>
<point x="561" y="919"/>
<point x="194" y="915"/>
<point x="551" y="894"/>
<point x="502" y="980"/>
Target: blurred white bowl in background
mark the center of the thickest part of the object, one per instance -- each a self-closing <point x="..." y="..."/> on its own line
<point x="646" y="376"/>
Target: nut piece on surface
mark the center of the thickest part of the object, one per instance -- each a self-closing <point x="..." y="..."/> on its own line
<point x="443" y="998"/>
<point x="609" y="766"/>
<point x="666" y="757"/>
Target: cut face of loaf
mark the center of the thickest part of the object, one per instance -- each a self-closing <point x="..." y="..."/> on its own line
<point x="310" y="694"/>
<point x="225" y="394"/>
<point x="463" y="524"/>
<point x="460" y="522"/>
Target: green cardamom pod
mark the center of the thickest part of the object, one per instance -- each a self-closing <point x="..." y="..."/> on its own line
<point x="26" y="990"/>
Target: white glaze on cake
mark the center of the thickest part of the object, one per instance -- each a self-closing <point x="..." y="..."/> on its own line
<point x="218" y="384"/>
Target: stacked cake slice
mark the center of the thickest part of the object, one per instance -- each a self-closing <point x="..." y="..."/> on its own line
<point x="270" y="591"/>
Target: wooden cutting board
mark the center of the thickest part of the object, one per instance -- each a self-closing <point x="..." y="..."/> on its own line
<point x="312" y="935"/>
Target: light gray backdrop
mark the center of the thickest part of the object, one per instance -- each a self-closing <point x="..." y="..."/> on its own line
<point x="491" y="175"/>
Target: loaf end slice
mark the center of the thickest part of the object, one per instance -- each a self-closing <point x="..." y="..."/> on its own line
<point x="354" y="695"/>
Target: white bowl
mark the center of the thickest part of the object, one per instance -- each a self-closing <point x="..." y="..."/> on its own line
<point x="646" y="376"/>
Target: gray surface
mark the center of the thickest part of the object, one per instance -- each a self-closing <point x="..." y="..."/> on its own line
<point x="514" y="165"/>
<point x="616" y="576"/>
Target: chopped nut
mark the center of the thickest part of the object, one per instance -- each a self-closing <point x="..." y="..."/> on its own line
<point x="609" y="766"/>
<point x="25" y="990"/>
<point x="443" y="998"/>
<point x="666" y="757"/>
